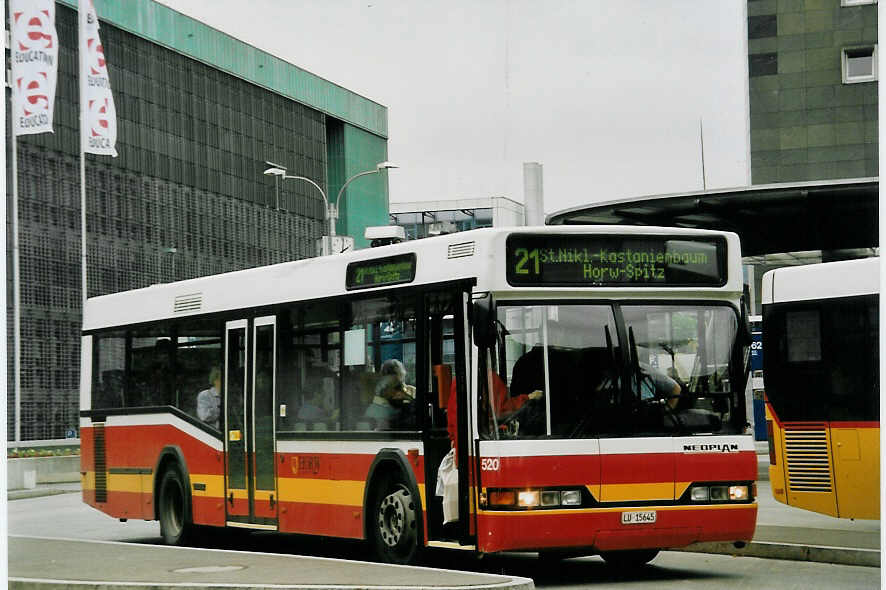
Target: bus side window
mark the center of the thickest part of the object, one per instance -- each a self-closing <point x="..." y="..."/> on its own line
<point x="309" y="368"/>
<point x="108" y="375"/>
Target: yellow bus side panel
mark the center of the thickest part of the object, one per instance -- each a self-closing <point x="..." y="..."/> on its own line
<point x="856" y="453"/>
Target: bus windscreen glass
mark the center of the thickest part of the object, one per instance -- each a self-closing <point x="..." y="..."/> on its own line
<point x="614" y="260"/>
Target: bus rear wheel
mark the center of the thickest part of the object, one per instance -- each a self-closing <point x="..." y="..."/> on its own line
<point x="629" y="558"/>
<point x="394" y="522"/>
<point x="175" y="527"/>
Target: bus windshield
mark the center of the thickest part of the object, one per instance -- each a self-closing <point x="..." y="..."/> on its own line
<point x="578" y="370"/>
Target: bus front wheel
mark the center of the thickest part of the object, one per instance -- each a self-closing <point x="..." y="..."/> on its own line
<point x="171" y="507"/>
<point x="629" y="558"/>
<point x="394" y="522"/>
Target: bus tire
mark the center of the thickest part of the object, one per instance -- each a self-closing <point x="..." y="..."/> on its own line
<point x="393" y="519"/>
<point x="172" y="509"/>
<point x="629" y="558"/>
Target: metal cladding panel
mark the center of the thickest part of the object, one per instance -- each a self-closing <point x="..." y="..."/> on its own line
<point x="160" y="24"/>
<point x="365" y="201"/>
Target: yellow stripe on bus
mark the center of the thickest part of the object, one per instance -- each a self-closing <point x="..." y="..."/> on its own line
<point x="327" y="491"/>
<point x="215" y="485"/>
<point x="636" y="492"/>
<point x="309" y="491"/>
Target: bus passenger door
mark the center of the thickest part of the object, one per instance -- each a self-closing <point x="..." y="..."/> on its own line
<point x="236" y="457"/>
<point x="264" y="483"/>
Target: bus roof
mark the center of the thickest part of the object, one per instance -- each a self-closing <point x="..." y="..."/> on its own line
<point x="471" y="255"/>
<point x="825" y="280"/>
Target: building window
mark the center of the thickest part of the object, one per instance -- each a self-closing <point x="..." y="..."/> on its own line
<point x="762" y="26"/>
<point x="859" y="64"/>
<point x="762" y="64"/>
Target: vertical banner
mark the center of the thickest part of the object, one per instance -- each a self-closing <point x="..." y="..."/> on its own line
<point x="99" y="118"/>
<point x="34" y="56"/>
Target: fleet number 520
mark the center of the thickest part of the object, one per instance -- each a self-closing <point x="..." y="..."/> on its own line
<point x="490" y="464"/>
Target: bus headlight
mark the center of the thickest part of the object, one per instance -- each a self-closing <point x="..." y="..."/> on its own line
<point x="550" y="498"/>
<point x="700" y="494"/>
<point x="738" y="493"/>
<point x="528" y="498"/>
<point x="502" y="498"/>
<point x="570" y="497"/>
<point x="720" y="493"/>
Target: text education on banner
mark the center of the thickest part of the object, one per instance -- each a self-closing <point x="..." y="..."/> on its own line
<point x="99" y="120"/>
<point x="34" y="55"/>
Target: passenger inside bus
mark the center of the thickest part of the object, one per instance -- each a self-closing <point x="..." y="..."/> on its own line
<point x="505" y="404"/>
<point x="209" y="400"/>
<point x="392" y="405"/>
<point x="317" y="406"/>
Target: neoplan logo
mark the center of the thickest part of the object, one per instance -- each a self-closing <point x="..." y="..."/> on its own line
<point x="711" y="448"/>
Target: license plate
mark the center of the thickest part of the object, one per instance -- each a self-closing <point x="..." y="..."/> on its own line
<point x="644" y="517"/>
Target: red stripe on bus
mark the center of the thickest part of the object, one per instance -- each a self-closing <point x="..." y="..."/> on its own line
<point x="856" y="424"/>
<point x="620" y="469"/>
<point x="333" y="520"/>
<point x="123" y="504"/>
<point x="637" y="468"/>
<point x="353" y="467"/>
<point x="740" y="466"/>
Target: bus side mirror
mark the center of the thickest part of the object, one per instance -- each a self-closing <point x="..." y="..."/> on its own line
<point x="482" y="323"/>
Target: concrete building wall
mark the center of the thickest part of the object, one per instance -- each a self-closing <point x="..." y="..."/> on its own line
<point x="806" y="123"/>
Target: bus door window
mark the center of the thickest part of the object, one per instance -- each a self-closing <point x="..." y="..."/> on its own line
<point x="235" y="409"/>
<point x="263" y="416"/>
<point x="380" y="361"/>
<point x="440" y="308"/>
<point x="309" y="371"/>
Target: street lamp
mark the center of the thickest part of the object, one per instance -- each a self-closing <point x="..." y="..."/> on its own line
<point x="331" y="207"/>
<point x="169" y="250"/>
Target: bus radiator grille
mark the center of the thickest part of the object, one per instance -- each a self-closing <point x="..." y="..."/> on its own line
<point x="101" y="464"/>
<point x="807" y="451"/>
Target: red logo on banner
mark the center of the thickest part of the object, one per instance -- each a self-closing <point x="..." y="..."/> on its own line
<point x="96" y="58"/>
<point x="99" y="113"/>
<point x="34" y="94"/>
<point x="34" y="30"/>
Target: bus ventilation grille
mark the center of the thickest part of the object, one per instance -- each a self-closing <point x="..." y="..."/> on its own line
<point x="461" y="250"/>
<point x="101" y="464"/>
<point x="187" y="303"/>
<point x="808" y="458"/>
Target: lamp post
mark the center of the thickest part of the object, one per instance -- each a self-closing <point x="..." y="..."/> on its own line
<point x="169" y="250"/>
<point x="331" y="207"/>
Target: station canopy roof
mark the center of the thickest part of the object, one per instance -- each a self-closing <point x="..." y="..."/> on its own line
<point x="773" y="218"/>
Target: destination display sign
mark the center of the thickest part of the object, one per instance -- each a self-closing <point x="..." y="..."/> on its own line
<point x="614" y="260"/>
<point x="380" y="272"/>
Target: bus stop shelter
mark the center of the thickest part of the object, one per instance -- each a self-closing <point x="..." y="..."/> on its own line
<point x="828" y="216"/>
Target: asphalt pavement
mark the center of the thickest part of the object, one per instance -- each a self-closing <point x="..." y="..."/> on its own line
<point x="782" y="532"/>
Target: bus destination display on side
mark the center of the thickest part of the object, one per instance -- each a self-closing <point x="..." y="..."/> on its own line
<point x="612" y="260"/>
<point x="392" y="270"/>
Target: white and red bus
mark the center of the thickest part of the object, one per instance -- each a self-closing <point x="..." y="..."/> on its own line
<point x="618" y="356"/>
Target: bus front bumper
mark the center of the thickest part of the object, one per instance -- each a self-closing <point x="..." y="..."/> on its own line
<point x="602" y="529"/>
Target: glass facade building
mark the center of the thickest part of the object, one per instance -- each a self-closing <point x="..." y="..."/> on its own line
<point x="198" y="115"/>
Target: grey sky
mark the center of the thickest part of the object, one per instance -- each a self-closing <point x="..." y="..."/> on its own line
<point x="606" y="95"/>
